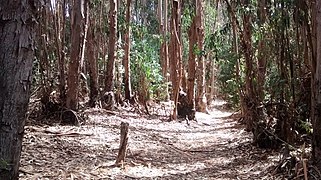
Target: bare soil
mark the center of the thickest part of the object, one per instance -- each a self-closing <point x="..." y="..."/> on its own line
<point x="214" y="147"/>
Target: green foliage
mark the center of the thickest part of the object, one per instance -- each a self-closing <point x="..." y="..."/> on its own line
<point x="226" y="79"/>
<point x="145" y="61"/>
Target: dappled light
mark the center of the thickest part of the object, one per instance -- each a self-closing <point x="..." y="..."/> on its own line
<point x="216" y="146"/>
<point x="160" y="89"/>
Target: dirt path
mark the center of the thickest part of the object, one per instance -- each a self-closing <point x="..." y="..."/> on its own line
<point x="215" y="147"/>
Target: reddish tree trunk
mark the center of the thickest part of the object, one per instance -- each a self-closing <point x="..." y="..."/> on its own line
<point x="200" y="73"/>
<point x="175" y="54"/>
<point x="126" y="61"/>
<point x="191" y="65"/>
<point x="73" y="72"/>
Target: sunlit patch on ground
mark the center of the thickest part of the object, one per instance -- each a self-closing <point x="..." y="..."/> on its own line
<point x="214" y="147"/>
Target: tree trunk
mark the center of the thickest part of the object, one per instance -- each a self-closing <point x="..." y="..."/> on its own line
<point x="16" y="56"/>
<point x="126" y="61"/>
<point x="60" y="43"/>
<point x="250" y="99"/>
<point x="192" y="36"/>
<point x="212" y="91"/>
<point x="235" y="49"/>
<point x="166" y="60"/>
<point x="175" y="54"/>
<point x="201" y="104"/>
<point x="316" y="144"/>
<point x="109" y="79"/>
<point x="164" y="45"/>
<point x="92" y="66"/>
<point x="261" y="64"/>
<point x="76" y="38"/>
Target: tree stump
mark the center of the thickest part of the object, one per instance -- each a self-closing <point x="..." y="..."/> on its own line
<point x="123" y="144"/>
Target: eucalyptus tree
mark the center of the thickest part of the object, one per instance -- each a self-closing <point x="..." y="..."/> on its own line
<point x="109" y="77"/>
<point x="17" y="33"/>
<point x="126" y="60"/>
<point x="60" y="42"/>
<point x="92" y="55"/>
<point x="77" y="35"/>
<point x="175" y="52"/>
<point x="201" y="102"/>
<point x="163" y="29"/>
<point x="192" y="35"/>
<point x="316" y="144"/>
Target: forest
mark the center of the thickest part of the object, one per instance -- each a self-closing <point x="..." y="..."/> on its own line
<point x="160" y="89"/>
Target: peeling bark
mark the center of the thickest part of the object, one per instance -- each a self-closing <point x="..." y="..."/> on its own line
<point x="17" y="21"/>
<point x="75" y="56"/>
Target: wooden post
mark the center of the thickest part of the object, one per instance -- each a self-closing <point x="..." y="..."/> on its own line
<point x="123" y="144"/>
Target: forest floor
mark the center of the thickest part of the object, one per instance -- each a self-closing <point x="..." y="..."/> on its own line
<point x="214" y="147"/>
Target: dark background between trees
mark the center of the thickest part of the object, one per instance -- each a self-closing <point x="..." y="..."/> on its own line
<point x="263" y="57"/>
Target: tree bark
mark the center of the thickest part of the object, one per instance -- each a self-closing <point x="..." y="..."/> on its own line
<point x="201" y="104"/>
<point x="17" y="22"/>
<point x="126" y="61"/>
<point x="250" y="99"/>
<point x="76" y="38"/>
<point x="192" y="36"/>
<point x="235" y="49"/>
<point x="109" y="79"/>
<point x="60" y="43"/>
<point x="166" y="60"/>
<point x="123" y="143"/>
<point x="175" y="54"/>
<point x="92" y="66"/>
<point x="316" y="144"/>
<point x="261" y="64"/>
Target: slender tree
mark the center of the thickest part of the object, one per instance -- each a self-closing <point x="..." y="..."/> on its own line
<point x="126" y="60"/>
<point x="17" y="53"/>
<point x="246" y="43"/>
<point x="109" y="79"/>
<point x="75" y="56"/>
<point x="175" y="54"/>
<point x="92" y="63"/>
<point x="317" y="86"/>
<point x="192" y="36"/>
<point x="200" y="73"/>
<point x="60" y="28"/>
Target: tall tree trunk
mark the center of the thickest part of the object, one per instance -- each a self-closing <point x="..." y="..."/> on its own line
<point x="166" y="60"/>
<point x="316" y="145"/>
<point x="200" y="73"/>
<point x="235" y="49"/>
<point x="192" y="36"/>
<point x="44" y="65"/>
<point x="162" y="16"/>
<point x="60" y="43"/>
<point x="175" y="54"/>
<point x="76" y="38"/>
<point x="261" y="64"/>
<point x="126" y="61"/>
<point x="109" y="79"/>
<point x="16" y="56"/>
<point x="92" y="64"/>
<point x="212" y="91"/>
<point x="250" y="98"/>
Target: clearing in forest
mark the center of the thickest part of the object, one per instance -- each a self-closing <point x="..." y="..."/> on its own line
<point x="214" y="147"/>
